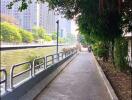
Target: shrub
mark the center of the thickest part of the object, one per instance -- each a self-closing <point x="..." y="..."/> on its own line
<point x="47" y="38"/>
<point x="61" y="40"/>
<point x="101" y="50"/>
<point x="31" y="59"/>
<point x="1" y="37"/>
<point x="121" y="53"/>
<point x="26" y="36"/>
<point x="54" y="35"/>
<point x="38" y="32"/>
<point x="10" y="33"/>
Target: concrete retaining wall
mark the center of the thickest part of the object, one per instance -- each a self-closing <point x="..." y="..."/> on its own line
<point x="32" y="87"/>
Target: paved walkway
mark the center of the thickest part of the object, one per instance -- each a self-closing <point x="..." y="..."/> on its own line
<point x="80" y="80"/>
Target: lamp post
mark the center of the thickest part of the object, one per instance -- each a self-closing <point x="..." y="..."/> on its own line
<point x="57" y="34"/>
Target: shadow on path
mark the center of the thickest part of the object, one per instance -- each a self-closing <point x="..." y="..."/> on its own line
<point x="80" y="80"/>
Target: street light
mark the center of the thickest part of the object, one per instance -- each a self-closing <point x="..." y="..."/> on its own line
<point x="57" y="34"/>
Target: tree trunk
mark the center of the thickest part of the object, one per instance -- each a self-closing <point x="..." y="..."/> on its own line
<point x="112" y="52"/>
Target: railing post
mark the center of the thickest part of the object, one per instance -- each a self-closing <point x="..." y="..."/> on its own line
<point x="52" y="59"/>
<point x="65" y="54"/>
<point x="62" y="55"/>
<point x="11" y="77"/>
<point x="58" y="56"/>
<point x="31" y="69"/>
<point x="44" y="63"/>
<point x="5" y="78"/>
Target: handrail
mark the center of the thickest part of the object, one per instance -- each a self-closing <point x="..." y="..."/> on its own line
<point x="51" y="60"/>
<point x="38" y="65"/>
<point x="53" y="57"/>
<point x="5" y="78"/>
<point x="12" y="76"/>
<point x="32" y="66"/>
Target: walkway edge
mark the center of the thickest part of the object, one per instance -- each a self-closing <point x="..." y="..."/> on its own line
<point x="106" y="82"/>
<point x="35" y="91"/>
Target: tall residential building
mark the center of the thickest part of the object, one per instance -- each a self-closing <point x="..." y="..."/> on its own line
<point x="4" y="9"/>
<point x="26" y="19"/>
<point x="64" y="26"/>
<point x="37" y="15"/>
<point x="47" y="18"/>
<point x="29" y="17"/>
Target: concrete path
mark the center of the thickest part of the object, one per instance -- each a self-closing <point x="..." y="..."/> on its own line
<point x="80" y="80"/>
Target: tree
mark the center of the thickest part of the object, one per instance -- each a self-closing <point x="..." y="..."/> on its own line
<point x="1" y="37"/>
<point x="47" y="38"/>
<point x="102" y="20"/>
<point x="94" y="9"/>
<point x="127" y="15"/>
<point x="54" y="35"/>
<point x="10" y="33"/>
<point x="39" y="32"/>
<point x="26" y="36"/>
<point x="121" y="53"/>
<point x="61" y="40"/>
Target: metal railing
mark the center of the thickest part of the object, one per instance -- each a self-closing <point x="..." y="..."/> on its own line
<point x="3" y="70"/>
<point x="37" y="64"/>
<point x="61" y="55"/>
<point x="49" y="60"/>
<point x="12" y="76"/>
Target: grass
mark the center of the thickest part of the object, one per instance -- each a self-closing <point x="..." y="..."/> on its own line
<point x="11" y="57"/>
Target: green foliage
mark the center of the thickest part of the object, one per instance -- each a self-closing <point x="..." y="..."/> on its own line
<point x="101" y="50"/>
<point x="121" y="53"/>
<point x="97" y="21"/>
<point x="31" y="59"/>
<point x="10" y="33"/>
<point x="82" y="40"/>
<point x="1" y="37"/>
<point x="35" y="36"/>
<point x="24" y="4"/>
<point x="39" y="32"/>
<point x="54" y="35"/>
<point x="61" y="40"/>
<point x="47" y="38"/>
<point x="26" y="36"/>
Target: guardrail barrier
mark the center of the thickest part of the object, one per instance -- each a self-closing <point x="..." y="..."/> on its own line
<point x="12" y="76"/>
<point x="33" y="68"/>
<point x="3" y="82"/>
<point x="39" y="64"/>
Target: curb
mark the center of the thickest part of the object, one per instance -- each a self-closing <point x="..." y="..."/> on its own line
<point x="36" y="90"/>
<point x="64" y="66"/>
<point x="110" y="90"/>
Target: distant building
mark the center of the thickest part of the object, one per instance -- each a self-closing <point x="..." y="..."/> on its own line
<point x="64" y="26"/>
<point x="4" y="9"/>
<point x="47" y="18"/>
<point x="29" y="17"/>
<point x="37" y="15"/>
